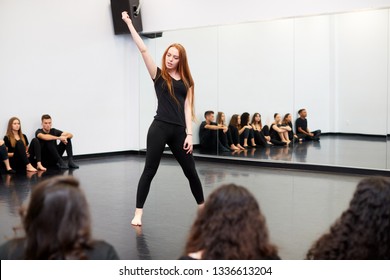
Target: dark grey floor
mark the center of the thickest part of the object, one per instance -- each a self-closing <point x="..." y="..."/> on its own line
<point x="334" y="150"/>
<point x="299" y="206"/>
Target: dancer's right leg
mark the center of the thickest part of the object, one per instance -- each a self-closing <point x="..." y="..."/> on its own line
<point x="155" y="145"/>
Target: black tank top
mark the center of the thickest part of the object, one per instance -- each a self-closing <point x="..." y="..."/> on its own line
<point x="168" y="110"/>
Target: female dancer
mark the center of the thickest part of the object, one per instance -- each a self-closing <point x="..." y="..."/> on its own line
<point x="19" y="150"/>
<point x="258" y="134"/>
<point x="225" y="135"/>
<point x="247" y="134"/>
<point x="287" y="121"/>
<point x="172" y="124"/>
<point x="235" y="129"/>
<point x="279" y="134"/>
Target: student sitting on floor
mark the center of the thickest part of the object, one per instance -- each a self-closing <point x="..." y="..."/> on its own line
<point x="279" y="133"/>
<point x="224" y="134"/>
<point x="208" y="134"/>
<point x="302" y="130"/>
<point x="287" y="121"/>
<point x="258" y="131"/>
<point x="246" y="131"/>
<point x="363" y="230"/>
<point x="230" y="226"/>
<point x="57" y="226"/>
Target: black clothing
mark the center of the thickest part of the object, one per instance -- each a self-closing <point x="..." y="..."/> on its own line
<point x="159" y="134"/>
<point x="212" y="140"/>
<point x="168" y="109"/>
<point x="291" y="132"/>
<point x="246" y="134"/>
<point x="3" y="153"/>
<point x="260" y="138"/>
<point x="101" y="250"/>
<point x="235" y="137"/>
<point x="51" y="151"/>
<point x="302" y="123"/>
<point x="225" y="139"/>
<point x="275" y="137"/>
<point x="20" y="158"/>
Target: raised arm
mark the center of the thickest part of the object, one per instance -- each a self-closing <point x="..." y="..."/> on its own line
<point x="149" y="62"/>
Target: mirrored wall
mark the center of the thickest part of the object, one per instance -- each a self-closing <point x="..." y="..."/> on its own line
<point x="334" y="66"/>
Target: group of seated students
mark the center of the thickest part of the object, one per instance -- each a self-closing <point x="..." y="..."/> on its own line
<point x="18" y="153"/>
<point x="242" y="132"/>
<point x="230" y="226"/>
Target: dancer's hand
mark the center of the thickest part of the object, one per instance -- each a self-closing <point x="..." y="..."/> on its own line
<point x="188" y="144"/>
<point x="126" y="18"/>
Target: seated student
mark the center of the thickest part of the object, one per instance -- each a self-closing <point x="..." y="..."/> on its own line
<point x="20" y="151"/>
<point x="302" y="130"/>
<point x="51" y="152"/>
<point x="260" y="138"/>
<point x="246" y="131"/>
<point x="4" y="158"/>
<point x="363" y="231"/>
<point x="287" y="122"/>
<point x="230" y="226"/>
<point x="57" y="226"/>
<point x="279" y="134"/>
<point x="225" y="135"/>
<point x="208" y="134"/>
<point x="235" y="128"/>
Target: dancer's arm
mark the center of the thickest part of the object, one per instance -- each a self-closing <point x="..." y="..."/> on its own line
<point x="149" y="62"/>
<point x="188" y="115"/>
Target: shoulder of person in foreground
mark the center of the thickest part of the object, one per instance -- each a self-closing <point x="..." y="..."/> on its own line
<point x="101" y="250"/>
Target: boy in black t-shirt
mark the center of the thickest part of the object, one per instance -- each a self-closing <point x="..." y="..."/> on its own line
<point x="302" y="130"/>
<point x="208" y="134"/>
<point x="51" y="151"/>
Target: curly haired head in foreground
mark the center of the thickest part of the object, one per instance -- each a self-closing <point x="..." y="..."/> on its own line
<point x="363" y="230"/>
<point x="230" y="227"/>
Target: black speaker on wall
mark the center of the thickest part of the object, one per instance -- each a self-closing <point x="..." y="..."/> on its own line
<point x="131" y="6"/>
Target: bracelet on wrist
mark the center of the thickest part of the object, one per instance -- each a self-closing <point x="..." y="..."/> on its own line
<point x="189" y="134"/>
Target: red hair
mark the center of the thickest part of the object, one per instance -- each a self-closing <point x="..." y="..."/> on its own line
<point x="184" y="71"/>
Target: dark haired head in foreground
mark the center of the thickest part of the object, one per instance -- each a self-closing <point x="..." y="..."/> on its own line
<point x="57" y="225"/>
<point x="230" y="227"/>
<point x="363" y="230"/>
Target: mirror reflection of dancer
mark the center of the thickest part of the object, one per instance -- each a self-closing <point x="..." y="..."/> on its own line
<point x="172" y="124"/>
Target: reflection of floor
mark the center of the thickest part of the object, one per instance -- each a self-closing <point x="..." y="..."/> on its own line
<point x="299" y="206"/>
<point x="353" y="151"/>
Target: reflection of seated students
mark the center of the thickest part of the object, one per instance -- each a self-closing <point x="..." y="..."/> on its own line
<point x="51" y="152"/>
<point x="287" y="121"/>
<point x="4" y="158"/>
<point x="57" y="226"/>
<point x="208" y="134"/>
<point x="225" y="135"/>
<point x="246" y="131"/>
<point x="235" y="128"/>
<point x="258" y="131"/>
<point x="20" y="152"/>
<point x="279" y="133"/>
<point x="303" y="130"/>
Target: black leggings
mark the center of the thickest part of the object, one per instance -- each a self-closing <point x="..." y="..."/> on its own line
<point x="52" y="152"/>
<point x="20" y="158"/>
<point x="159" y="134"/>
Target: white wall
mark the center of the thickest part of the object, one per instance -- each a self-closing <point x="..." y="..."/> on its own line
<point x="61" y="58"/>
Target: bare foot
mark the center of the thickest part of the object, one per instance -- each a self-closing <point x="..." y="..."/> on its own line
<point x="234" y="147"/>
<point x="40" y="167"/>
<point x="241" y="147"/>
<point x="137" y="217"/>
<point x="30" y="168"/>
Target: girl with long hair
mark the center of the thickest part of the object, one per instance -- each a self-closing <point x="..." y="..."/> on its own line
<point x="246" y="135"/>
<point x="57" y="226"/>
<point x="230" y="227"/>
<point x="4" y="158"/>
<point x="225" y="135"/>
<point x="20" y="151"/>
<point x="287" y="122"/>
<point x="279" y="134"/>
<point x="363" y="230"/>
<point x="234" y="128"/>
<point x="258" y="134"/>
<point x="172" y="124"/>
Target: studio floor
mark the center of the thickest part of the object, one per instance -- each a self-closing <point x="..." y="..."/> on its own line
<point x="299" y="206"/>
<point x="341" y="150"/>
